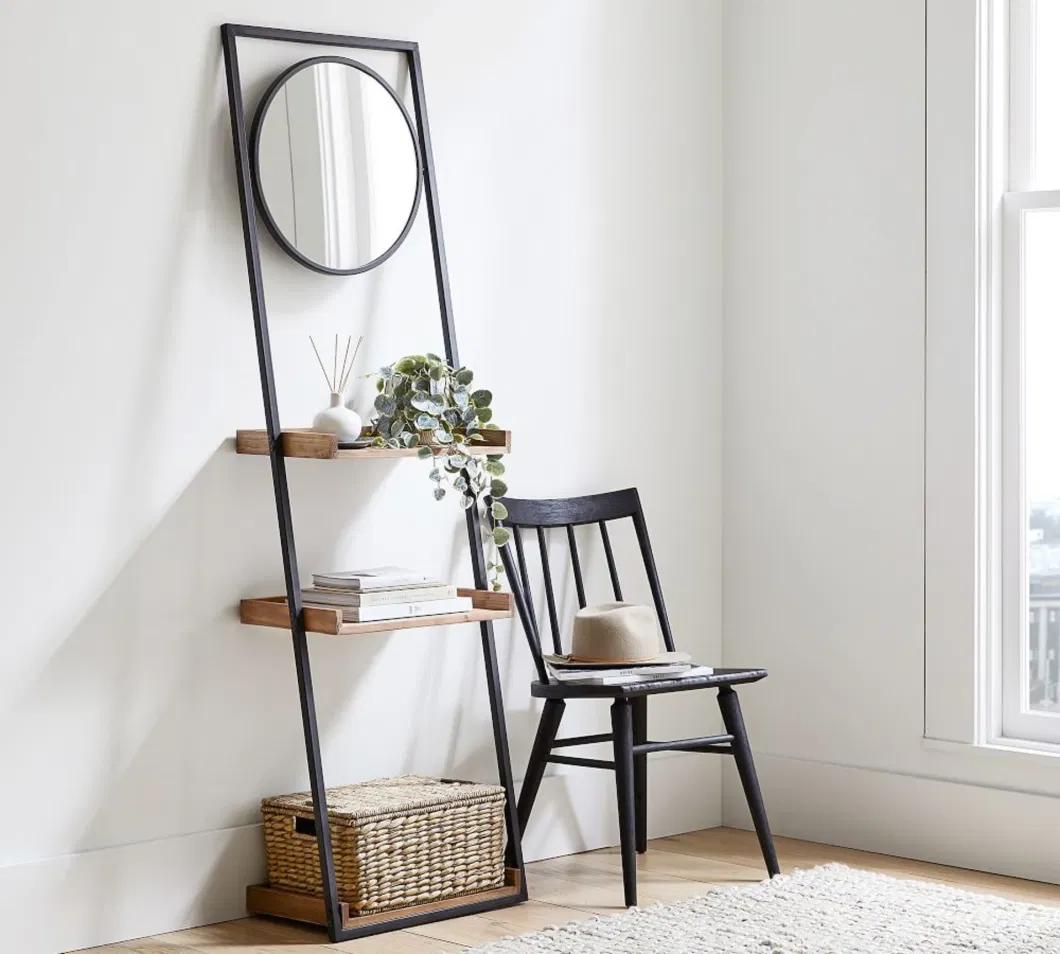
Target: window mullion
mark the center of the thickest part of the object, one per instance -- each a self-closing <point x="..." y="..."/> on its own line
<point x="1021" y="96"/>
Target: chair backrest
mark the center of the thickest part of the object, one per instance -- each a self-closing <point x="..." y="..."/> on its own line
<point x="568" y="513"/>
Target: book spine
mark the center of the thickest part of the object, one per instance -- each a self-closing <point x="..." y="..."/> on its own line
<point x="659" y="672"/>
<point x="616" y="679"/>
<point x="335" y="597"/>
<point x="366" y="585"/>
<point x="371" y="614"/>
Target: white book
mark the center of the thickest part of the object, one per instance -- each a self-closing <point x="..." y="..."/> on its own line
<point x="407" y="588"/>
<point x="404" y="594"/>
<point x="660" y="672"/>
<point x="371" y="614"/>
<point x="609" y="677"/>
<point x="376" y="578"/>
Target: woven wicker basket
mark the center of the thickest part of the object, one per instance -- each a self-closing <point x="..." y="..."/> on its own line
<point x="396" y="842"/>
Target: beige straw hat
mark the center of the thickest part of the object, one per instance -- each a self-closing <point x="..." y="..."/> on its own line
<point x="616" y="634"/>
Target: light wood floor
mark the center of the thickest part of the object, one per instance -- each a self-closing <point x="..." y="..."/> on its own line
<point x="576" y="887"/>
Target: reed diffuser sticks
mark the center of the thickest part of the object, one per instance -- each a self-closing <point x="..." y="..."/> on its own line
<point x="338" y="419"/>
<point x="340" y="374"/>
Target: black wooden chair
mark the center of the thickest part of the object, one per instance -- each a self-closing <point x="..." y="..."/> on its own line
<point x="629" y="710"/>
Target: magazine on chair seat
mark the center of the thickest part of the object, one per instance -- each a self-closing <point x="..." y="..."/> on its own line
<point x="620" y="676"/>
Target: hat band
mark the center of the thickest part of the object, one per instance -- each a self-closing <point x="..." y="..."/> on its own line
<point x="624" y="662"/>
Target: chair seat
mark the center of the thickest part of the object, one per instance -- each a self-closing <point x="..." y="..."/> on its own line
<point x="718" y="678"/>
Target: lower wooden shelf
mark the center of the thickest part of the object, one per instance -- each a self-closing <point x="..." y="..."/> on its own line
<point x="272" y="611"/>
<point x="283" y="903"/>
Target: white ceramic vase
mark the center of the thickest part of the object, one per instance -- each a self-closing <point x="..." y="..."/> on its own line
<point x="339" y="420"/>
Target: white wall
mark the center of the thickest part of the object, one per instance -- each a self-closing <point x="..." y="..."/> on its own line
<point x="579" y="163"/>
<point x="824" y="408"/>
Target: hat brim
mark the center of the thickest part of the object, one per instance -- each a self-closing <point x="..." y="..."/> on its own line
<point x="663" y="659"/>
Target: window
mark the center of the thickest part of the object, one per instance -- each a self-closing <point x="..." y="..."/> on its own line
<point x="992" y="374"/>
<point x="1028" y="382"/>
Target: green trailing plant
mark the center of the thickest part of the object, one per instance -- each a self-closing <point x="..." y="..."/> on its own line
<point x="425" y="403"/>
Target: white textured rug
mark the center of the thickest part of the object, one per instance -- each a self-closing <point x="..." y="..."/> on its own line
<point x="828" y="910"/>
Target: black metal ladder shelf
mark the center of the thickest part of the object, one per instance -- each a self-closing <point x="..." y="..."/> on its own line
<point x="288" y="611"/>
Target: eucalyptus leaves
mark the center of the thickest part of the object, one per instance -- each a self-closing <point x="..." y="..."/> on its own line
<point x="424" y="403"/>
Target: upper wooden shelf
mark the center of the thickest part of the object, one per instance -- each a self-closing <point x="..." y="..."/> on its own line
<point x="272" y="611"/>
<point x="312" y="444"/>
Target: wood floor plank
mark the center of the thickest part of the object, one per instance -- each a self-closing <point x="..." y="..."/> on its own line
<point x="690" y="867"/>
<point x="467" y="932"/>
<point x="576" y="887"/>
<point x="733" y="844"/>
<point x="249" y="936"/>
<point x="506" y="922"/>
<point x="280" y="947"/>
<point x="396" y="942"/>
<point x="593" y="890"/>
<point x="735" y="848"/>
<point x="145" y="945"/>
<point x="604" y="869"/>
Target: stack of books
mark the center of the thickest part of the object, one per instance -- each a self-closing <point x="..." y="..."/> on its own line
<point x="383" y="592"/>
<point x="624" y="675"/>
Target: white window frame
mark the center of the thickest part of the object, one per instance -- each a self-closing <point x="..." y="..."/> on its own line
<point x="966" y="126"/>
<point x="979" y="144"/>
<point x="1010" y="719"/>
<point x="1017" y="722"/>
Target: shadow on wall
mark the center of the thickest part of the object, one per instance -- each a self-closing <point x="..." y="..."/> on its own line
<point x="175" y="719"/>
<point x="139" y="699"/>
<point x="150" y="666"/>
<point x="171" y="717"/>
<point x="188" y="716"/>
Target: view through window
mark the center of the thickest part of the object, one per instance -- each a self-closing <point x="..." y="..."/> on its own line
<point x="1030" y="321"/>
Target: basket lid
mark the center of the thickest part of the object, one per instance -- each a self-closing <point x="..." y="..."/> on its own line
<point x="386" y="796"/>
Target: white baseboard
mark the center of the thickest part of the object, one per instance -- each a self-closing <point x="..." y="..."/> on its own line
<point x="114" y="894"/>
<point x="951" y="823"/>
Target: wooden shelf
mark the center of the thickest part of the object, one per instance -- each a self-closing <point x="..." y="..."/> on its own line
<point x="283" y="903"/>
<point x="272" y="611"/>
<point x="312" y="444"/>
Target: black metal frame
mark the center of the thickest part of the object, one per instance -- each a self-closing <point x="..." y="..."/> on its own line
<point x="255" y="166"/>
<point x="229" y="35"/>
<point x="629" y="704"/>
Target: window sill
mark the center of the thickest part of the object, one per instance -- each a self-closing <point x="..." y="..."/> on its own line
<point x="1006" y="764"/>
<point x="996" y="747"/>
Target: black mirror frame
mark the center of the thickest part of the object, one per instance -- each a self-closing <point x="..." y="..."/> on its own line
<point x="255" y="166"/>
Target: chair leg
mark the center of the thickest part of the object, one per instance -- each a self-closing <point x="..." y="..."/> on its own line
<point x="622" y="729"/>
<point x="731" y="715"/>
<point x="640" y="771"/>
<point x="547" y="730"/>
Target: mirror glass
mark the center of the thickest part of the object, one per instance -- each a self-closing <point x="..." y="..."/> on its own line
<point x="335" y="165"/>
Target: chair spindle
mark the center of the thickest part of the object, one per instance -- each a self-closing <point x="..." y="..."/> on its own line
<point x="653" y="579"/>
<point x="524" y="577"/>
<point x="550" y="597"/>
<point x="522" y="601"/>
<point x="611" y="568"/>
<point x="579" y="584"/>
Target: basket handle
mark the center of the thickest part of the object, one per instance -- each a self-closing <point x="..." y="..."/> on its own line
<point x="304" y="826"/>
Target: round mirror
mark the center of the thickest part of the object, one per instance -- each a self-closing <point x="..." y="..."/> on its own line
<point x="335" y="165"/>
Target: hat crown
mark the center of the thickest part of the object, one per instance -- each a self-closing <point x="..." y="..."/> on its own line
<point x="615" y="632"/>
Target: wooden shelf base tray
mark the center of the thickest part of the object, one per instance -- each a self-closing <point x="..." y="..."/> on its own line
<point x="282" y="903"/>
<point x="306" y="443"/>
<point x="272" y="611"/>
